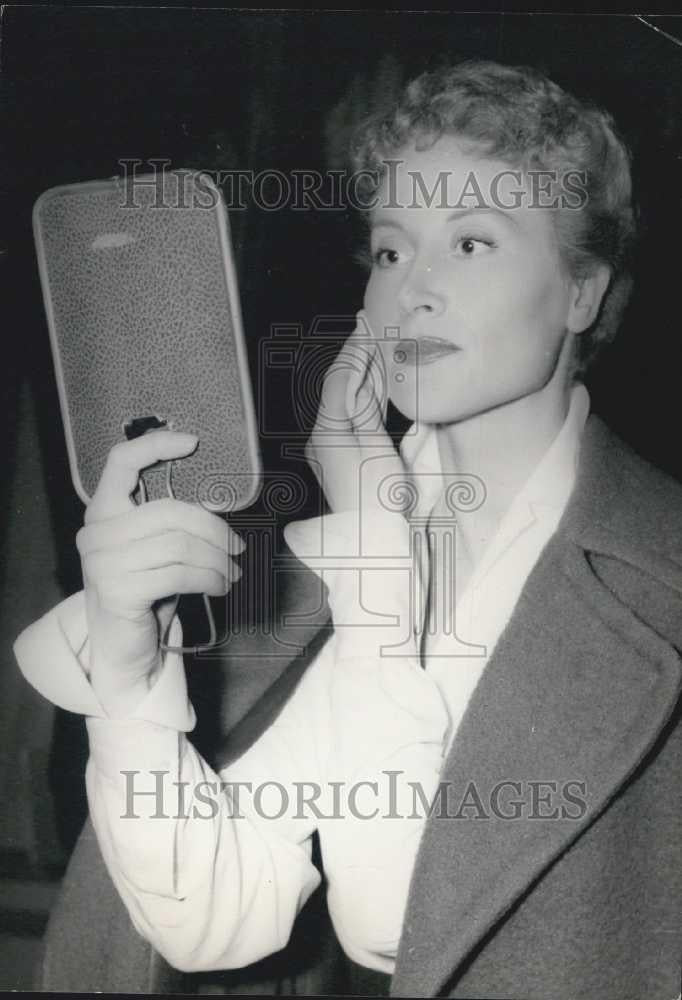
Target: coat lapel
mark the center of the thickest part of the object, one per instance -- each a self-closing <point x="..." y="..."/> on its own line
<point x="576" y="690"/>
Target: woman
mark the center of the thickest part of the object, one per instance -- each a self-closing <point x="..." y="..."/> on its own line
<point x="514" y="667"/>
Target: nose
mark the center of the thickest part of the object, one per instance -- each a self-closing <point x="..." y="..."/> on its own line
<point x="418" y="293"/>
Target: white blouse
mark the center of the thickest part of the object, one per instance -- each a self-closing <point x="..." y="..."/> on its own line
<point x="214" y="867"/>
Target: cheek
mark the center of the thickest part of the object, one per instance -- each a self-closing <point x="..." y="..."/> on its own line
<point x="551" y="303"/>
<point x="519" y="338"/>
<point x="530" y="314"/>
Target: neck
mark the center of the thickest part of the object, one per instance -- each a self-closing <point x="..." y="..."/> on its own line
<point x="502" y="447"/>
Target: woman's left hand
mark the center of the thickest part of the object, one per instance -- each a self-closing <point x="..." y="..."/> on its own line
<point x="349" y="449"/>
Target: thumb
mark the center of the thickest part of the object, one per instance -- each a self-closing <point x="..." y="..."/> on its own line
<point x="165" y="611"/>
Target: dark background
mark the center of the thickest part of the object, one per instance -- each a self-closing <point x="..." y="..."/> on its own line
<point x="83" y="87"/>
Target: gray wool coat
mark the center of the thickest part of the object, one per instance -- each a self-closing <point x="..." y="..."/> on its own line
<point x="583" y="685"/>
<point x="582" y="902"/>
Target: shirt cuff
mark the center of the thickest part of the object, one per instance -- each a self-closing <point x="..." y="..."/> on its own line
<point x="369" y="563"/>
<point x="53" y="656"/>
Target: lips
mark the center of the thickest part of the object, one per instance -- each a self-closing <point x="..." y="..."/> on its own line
<point x="423" y="350"/>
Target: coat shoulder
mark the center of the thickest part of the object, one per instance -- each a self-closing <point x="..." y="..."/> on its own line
<point x="627" y="515"/>
<point x="628" y="495"/>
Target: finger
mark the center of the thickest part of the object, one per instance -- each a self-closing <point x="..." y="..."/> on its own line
<point x="378" y="379"/>
<point x="144" y="554"/>
<point x="368" y="408"/>
<point x="378" y="371"/>
<point x="332" y="414"/>
<point x="157" y="517"/>
<point x="368" y="421"/>
<point x="377" y="374"/>
<point x="356" y="353"/>
<point x="363" y="346"/>
<point x="143" y="589"/>
<point x="165" y="611"/>
<point x="125" y="462"/>
<point x="343" y="377"/>
<point x="363" y="328"/>
<point x="358" y="378"/>
<point x="374" y="371"/>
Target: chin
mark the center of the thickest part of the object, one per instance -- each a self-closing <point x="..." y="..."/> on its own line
<point x="431" y="396"/>
<point x="430" y="410"/>
<point x="424" y="412"/>
<point x="455" y="399"/>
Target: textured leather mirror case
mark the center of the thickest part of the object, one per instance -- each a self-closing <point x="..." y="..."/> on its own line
<point x="143" y="311"/>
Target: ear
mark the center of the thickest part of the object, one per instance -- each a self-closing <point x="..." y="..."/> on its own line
<point x="586" y="296"/>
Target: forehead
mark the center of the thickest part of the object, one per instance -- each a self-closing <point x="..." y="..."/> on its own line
<point x="452" y="179"/>
<point x="450" y="167"/>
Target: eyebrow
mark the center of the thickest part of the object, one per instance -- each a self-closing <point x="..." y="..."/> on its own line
<point x="378" y="220"/>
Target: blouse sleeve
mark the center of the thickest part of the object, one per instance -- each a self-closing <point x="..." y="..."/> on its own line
<point x="209" y="874"/>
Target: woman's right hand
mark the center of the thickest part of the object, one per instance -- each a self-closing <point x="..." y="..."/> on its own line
<point x="135" y="559"/>
<point x="349" y="449"/>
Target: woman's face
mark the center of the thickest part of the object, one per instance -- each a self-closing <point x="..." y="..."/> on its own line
<point x="479" y="294"/>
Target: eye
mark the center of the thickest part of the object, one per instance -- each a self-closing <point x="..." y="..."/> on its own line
<point x="471" y="246"/>
<point x="386" y="257"/>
